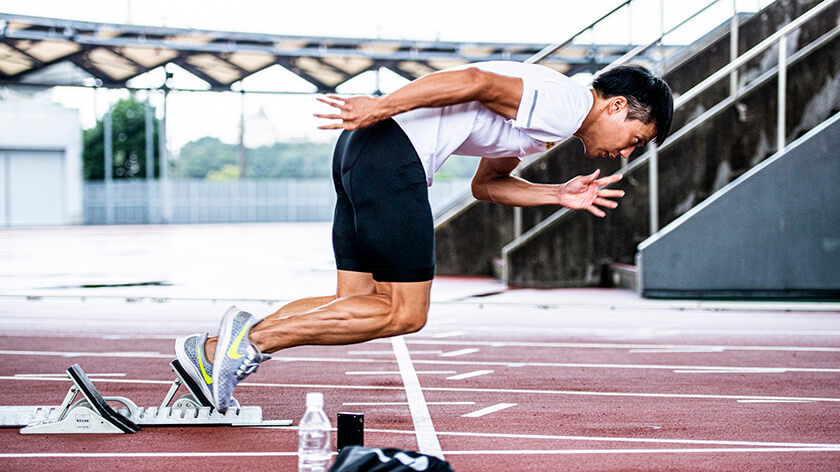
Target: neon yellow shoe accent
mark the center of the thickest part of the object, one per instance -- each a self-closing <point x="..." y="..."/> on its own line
<point x="232" y="350"/>
<point x="207" y="379"/>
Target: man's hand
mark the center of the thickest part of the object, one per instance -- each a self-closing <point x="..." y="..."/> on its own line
<point x="354" y="112"/>
<point x="583" y="193"/>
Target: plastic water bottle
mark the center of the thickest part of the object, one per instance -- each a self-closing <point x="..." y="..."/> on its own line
<point x="314" y="436"/>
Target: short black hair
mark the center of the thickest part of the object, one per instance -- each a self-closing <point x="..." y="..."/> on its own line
<point x="648" y="97"/>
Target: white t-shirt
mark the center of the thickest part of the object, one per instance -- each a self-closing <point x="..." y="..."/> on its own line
<point x="552" y="108"/>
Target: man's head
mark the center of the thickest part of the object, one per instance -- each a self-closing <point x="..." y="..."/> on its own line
<point x="632" y="107"/>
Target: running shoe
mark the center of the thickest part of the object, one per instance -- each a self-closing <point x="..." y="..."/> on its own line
<point x="236" y="356"/>
<point x="189" y="351"/>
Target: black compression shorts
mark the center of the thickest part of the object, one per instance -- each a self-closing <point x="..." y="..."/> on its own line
<point x="383" y="223"/>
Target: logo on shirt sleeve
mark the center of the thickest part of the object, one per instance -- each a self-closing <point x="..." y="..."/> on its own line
<point x="549" y="146"/>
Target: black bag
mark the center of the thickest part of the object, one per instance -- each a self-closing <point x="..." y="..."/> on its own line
<point x="369" y="459"/>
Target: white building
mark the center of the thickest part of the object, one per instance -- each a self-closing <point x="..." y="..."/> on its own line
<point x="40" y="164"/>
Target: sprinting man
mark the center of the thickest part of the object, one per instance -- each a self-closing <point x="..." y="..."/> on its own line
<point x="384" y="160"/>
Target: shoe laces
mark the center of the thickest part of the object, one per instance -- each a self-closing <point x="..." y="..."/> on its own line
<point x="253" y="359"/>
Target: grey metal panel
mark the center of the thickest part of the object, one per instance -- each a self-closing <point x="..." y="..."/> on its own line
<point x="774" y="232"/>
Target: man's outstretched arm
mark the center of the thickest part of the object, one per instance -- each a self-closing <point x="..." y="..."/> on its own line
<point x="492" y="182"/>
<point x="499" y="93"/>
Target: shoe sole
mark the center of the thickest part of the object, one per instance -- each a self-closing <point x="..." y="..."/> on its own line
<point x="187" y="364"/>
<point x="225" y="334"/>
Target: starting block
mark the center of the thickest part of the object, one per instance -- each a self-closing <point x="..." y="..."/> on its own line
<point x="94" y="414"/>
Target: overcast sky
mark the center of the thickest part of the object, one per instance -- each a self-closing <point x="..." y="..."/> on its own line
<point x="289" y="117"/>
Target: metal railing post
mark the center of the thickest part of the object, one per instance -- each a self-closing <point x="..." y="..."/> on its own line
<point x="733" y="49"/>
<point x="782" y="96"/>
<point x="108" y="129"/>
<point x="150" y="160"/>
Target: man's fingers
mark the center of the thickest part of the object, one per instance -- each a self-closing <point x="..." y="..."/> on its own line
<point x="610" y="193"/>
<point x="593" y="175"/>
<point x="605" y="203"/>
<point x="595" y="211"/>
<point x="337" y="104"/>
<point x="610" y="179"/>
<point x="328" y="117"/>
<point x="334" y="126"/>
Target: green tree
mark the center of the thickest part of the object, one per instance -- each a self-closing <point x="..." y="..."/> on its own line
<point x="128" y="117"/>
<point x="202" y="156"/>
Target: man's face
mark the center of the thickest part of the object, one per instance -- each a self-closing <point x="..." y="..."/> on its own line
<point x="613" y="135"/>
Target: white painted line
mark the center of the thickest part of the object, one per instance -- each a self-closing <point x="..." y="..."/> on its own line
<point x="459" y="352"/>
<point x="737" y="370"/>
<point x="467" y="390"/>
<point x="379" y="372"/>
<point x="677" y="351"/>
<point x="488" y="410"/>
<point x="654" y="347"/>
<point x="610" y="439"/>
<point x="775" y="401"/>
<point x="523" y="452"/>
<point x="389" y="353"/>
<point x="537" y="452"/>
<point x="403" y="403"/>
<point x="449" y="334"/>
<point x="156" y="355"/>
<point x="144" y="355"/>
<point x="64" y="374"/>
<point x="427" y="440"/>
<point x="468" y="375"/>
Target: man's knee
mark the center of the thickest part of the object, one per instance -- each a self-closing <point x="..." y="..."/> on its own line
<point x="409" y="321"/>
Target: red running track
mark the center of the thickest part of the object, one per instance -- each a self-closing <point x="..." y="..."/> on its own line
<point x="543" y="381"/>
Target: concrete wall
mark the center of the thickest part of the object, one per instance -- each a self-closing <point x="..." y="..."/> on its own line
<point x="41" y="157"/>
<point x="774" y="232"/>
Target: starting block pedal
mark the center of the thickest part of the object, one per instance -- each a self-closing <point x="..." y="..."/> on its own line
<point x="94" y="414"/>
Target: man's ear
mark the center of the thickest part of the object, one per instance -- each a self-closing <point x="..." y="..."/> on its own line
<point x="617" y="104"/>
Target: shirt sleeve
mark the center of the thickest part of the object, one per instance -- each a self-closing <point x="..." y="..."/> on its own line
<point x="552" y="107"/>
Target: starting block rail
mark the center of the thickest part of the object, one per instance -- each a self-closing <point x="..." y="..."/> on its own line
<point x="94" y="413"/>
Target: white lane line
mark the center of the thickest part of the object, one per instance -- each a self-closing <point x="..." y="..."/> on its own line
<point x="488" y="410"/>
<point x="697" y="442"/>
<point x="144" y="355"/>
<point x="775" y="401"/>
<point x="157" y="355"/>
<point x="459" y="352"/>
<point x="468" y="390"/>
<point x="738" y="370"/>
<point x="427" y="440"/>
<point x="389" y="353"/>
<point x="379" y="372"/>
<point x="537" y="452"/>
<point x="653" y="347"/>
<point x="64" y="374"/>
<point x="677" y="351"/>
<point x="468" y="375"/>
<point x="403" y="403"/>
<point x="525" y="452"/>
<point x="449" y="334"/>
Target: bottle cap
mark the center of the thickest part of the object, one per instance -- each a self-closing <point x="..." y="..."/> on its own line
<point x="314" y="399"/>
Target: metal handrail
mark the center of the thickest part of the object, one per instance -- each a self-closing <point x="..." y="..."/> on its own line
<point x="691" y="93"/>
<point x="546" y="51"/>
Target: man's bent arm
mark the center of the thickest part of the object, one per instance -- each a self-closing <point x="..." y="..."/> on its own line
<point x="492" y="182"/>
<point x="499" y="93"/>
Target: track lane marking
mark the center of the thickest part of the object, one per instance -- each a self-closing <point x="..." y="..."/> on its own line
<point x="653" y="347"/>
<point x="468" y="390"/>
<point x="427" y="440"/>
<point x="528" y="452"/>
<point x="489" y="410"/>
<point x="385" y="372"/>
<point x="469" y="375"/>
<point x="157" y="355"/>
<point x="460" y="352"/>
<point x="403" y="403"/>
